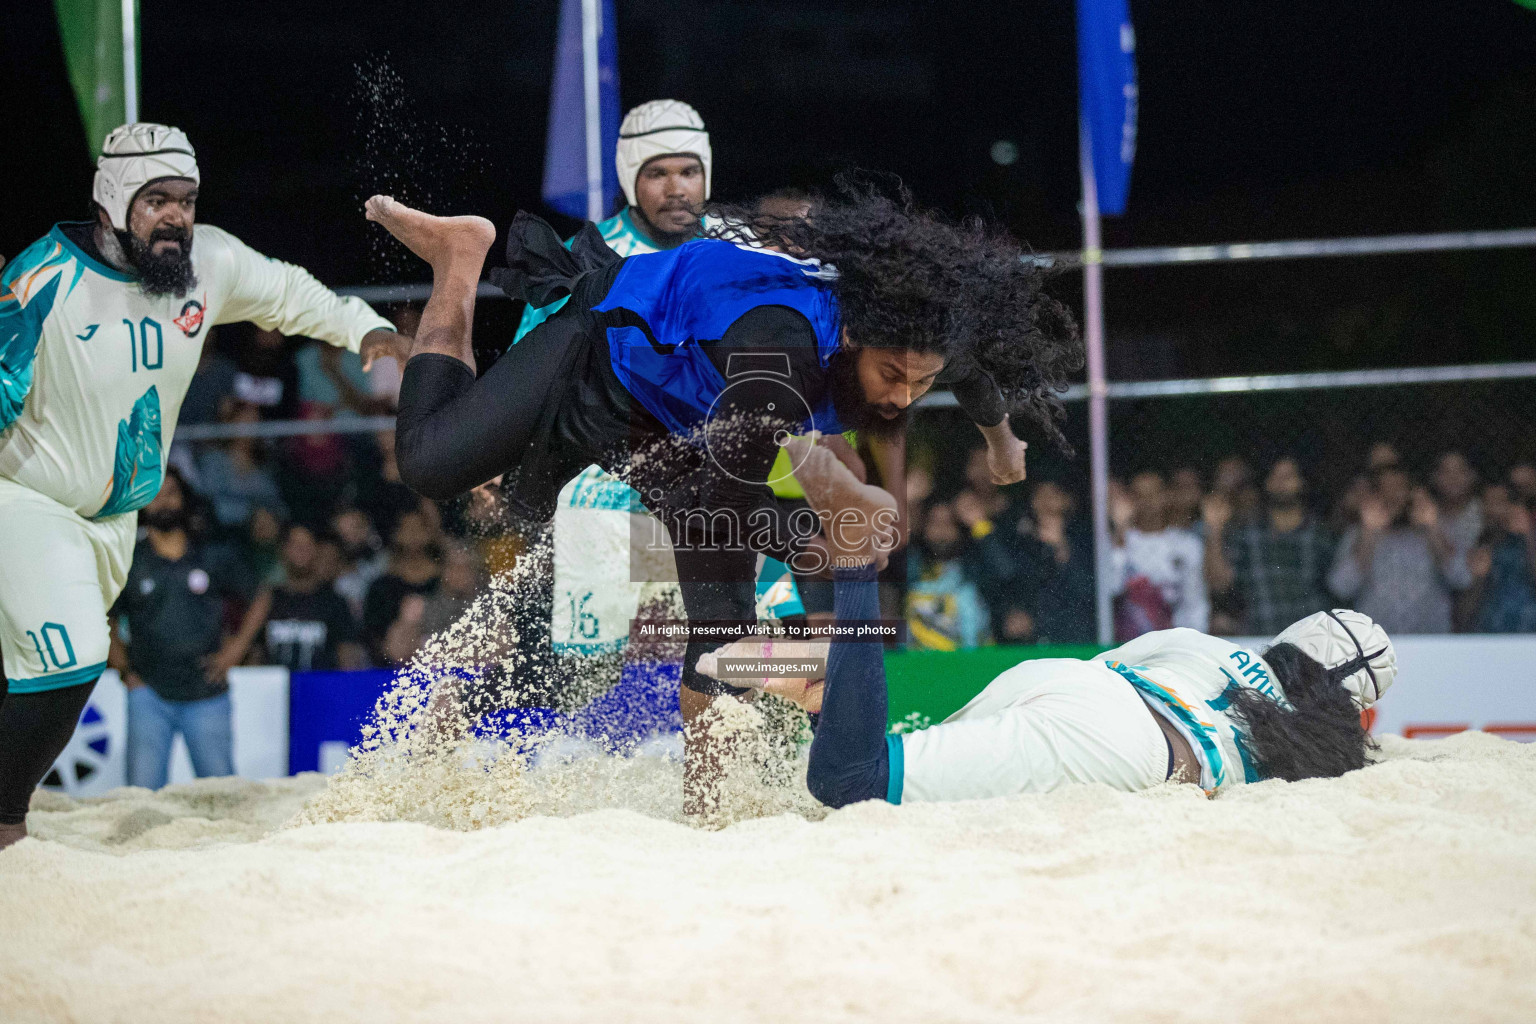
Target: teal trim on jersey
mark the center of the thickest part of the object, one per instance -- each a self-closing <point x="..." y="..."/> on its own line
<point x="21" y="319"/>
<point x="622" y="235"/>
<point x="105" y="270"/>
<point x="58" y="680"/>
<point x="597" y="490"/>
<point x="772" y="573"/>
<point x="138" y="467"/>
<point x="896" y="755"/>
<point x="1221" y="703"/>
<point x="533" y="317"/>
<point x="606" y="647"/>
<point x="1204" y="733"/>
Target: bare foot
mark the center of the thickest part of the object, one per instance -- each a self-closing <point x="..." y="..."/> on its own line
<point x="441" y="241"/>
<point x="858" y="519"/>
<point x="12" y="834"/>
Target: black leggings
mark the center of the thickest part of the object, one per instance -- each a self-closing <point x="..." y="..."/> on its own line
<point x="718" y="587"/>
<point x="34" y="729"/>
<point x="849" y="756"/>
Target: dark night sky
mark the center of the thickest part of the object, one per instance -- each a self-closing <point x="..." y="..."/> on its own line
<point x="1258" y="121"/>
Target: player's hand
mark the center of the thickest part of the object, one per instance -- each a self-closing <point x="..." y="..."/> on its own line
<point x="846" y="455"/>
<point x="1480" y="562"/>
<point x="384" y="343"/>
<point x="1005" y="457"/>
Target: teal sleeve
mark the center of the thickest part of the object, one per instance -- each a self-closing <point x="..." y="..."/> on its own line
<point x="28" y="290"/>
<point x="896" y="754"/>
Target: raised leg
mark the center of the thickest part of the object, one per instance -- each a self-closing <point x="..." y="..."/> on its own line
<point x="455" y="248"/>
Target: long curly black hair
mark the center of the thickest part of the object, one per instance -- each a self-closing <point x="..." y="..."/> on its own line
<point x="909" y="278"/>
<point x="1319" y="737"/>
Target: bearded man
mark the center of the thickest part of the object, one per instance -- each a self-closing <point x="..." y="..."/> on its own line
<point x="102" y="323"/>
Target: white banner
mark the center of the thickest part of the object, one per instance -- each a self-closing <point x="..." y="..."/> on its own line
<point x="95" y="759"/>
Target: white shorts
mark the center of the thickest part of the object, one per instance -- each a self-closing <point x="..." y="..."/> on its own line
<point x="1040" y="725"/>
<point x="59" y="573"/>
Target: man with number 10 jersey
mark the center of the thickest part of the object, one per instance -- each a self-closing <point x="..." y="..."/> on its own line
<point x="101" y="326"/>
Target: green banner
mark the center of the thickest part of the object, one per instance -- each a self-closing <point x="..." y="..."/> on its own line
<point x="92" y="33"/>
<point x="935" y="684"/>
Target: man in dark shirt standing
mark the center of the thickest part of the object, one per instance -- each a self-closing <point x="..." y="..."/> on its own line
<point x="176" y="656"/>
<point x="310" y="627"/>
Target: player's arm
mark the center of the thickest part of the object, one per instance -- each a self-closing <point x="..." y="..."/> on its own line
<point x="31" y="278"/>
<point x="281" y="296"/>
<point x="117" y="655"/>
<point x="979" y="396"/>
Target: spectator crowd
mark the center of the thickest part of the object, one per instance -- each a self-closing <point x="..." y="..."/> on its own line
<point x="1231" y="553"/>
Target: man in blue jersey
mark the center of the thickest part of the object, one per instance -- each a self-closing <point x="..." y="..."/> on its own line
<point x="102" y="323"/>
<point x="665" y="169"/>
<point x="682" y="371"/>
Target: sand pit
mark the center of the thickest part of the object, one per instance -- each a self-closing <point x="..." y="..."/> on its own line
<point x="1404" y="892"/>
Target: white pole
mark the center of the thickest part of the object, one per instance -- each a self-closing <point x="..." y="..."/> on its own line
<point x="130" y="62"/>
<point x="1098" y="389"/>
<point x="591" y="26"/>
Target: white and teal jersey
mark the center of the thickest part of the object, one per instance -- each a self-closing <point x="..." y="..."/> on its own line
<point x="1051" y="722"/>
<point x="93" y="370"/>
<point x="1188" y="677"/>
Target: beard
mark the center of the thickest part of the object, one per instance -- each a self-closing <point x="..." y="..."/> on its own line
<point x="161" y="273"/>
<point x="666" y="239"/>
<point x="853" y="409"/>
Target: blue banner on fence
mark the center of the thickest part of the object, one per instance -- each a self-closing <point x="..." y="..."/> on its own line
<point x="1107" y="97"/>
<point x="565" y="154"/>
<point x="327" y="712"/>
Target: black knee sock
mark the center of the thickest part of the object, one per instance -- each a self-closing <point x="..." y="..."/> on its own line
<point x="34" y="729"/>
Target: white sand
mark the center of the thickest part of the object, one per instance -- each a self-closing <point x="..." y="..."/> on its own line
<point x="1405" y="892"/>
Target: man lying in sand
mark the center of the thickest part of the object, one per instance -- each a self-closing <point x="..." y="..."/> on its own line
<point x="1175" y="704"/>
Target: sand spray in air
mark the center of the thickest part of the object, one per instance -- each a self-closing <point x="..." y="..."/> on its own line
<point x="426" y="756"/>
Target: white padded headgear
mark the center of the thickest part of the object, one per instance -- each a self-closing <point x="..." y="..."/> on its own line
<point x="659" y="128"/>
<point x="135" y="155"/>
<point x="1351" y="646"/>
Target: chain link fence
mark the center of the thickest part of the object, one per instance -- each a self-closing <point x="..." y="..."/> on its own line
<point x="1447" y="454"/>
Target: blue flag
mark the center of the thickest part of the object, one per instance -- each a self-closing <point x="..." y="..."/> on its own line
<point x="565" y="153"/>
<point x="1106" y="84"/>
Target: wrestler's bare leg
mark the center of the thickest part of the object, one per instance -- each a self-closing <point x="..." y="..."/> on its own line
<point x="455" y="248"/>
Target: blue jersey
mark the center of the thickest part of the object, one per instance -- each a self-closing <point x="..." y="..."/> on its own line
<point x="693" y="294"/>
